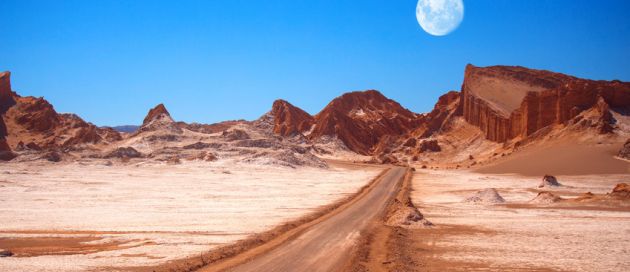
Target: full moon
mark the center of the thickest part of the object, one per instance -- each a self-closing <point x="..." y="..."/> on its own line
<point x="440" y="17"/>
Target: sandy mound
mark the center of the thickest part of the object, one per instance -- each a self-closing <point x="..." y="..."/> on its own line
<point x="486" y="196"/>
<point x="549" y="181"/>
<point x="567" y="158"/>
<point x="545" y="198"/>
<point x="408" y="215"/>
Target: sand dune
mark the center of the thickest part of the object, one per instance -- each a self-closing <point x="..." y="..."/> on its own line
<point x="562" y="159"/>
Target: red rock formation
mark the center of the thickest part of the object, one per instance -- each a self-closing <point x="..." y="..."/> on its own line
<point x="289" y="120"/>
<point x="506" y="102"/>
<point x="437" y="120"/>
<point x="158" y="119"/>
<point x="621" y="190"/>
<point x="34" y="120"/>
<point x="6" y="95"/>
<point x="429" y="146"/>
<point x="625" y="151"/>
<point x="361" y="119"/>
<point x="155" y="113"/>
<point x="6" y="99"/>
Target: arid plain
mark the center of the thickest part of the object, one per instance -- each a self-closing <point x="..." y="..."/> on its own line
<point x="520" y="170"/>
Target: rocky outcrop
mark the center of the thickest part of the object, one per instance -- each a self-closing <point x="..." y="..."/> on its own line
<point x="437" y="120"/>
<point x="507" y="102"/>
<point x="361" y="119"/>
<point x="6" y="94"/>
<point x="159" y="112"/>
<point x="288" y="119"/>
<point x="549" y="181"/>
<point x="625" y="151"/>
<point x="159" y="119"/>
<point x="621" y="190"/>
<point x="429" y="146"/>
<point x="34" y="120"/>
<point x="6" y="100"/>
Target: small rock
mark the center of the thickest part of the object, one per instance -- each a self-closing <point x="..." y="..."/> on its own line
<point x="5" y="253"/>
<point x="52" y="156"/>
<point x="549" y="181"/>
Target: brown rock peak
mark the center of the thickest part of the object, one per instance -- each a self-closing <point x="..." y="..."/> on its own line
<point x="158" y="112"/>
<point x="6" y="95"/>
<point x="360" y="119"/>
<point x="289" y="120"/>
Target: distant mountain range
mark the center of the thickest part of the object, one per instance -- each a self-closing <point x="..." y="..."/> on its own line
<point x="127" y="128"/>
<point x="498" y="110"/>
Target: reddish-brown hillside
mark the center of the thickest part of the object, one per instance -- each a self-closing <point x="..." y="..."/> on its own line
<point x="361" y="119"/>
<point x="31" y="121"/>
<point x="289" y="120"/>
<point x="507" y="102"/>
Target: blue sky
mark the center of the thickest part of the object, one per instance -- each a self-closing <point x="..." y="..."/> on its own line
<point x="208" y="61"/>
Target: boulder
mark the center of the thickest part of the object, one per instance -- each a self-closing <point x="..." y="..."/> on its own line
<point x="429" y="146"/>
<point x="549" y="181"/>
<point x="5" y="253"/>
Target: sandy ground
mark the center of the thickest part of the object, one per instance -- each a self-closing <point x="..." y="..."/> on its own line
<point x="518" y="235"/>
<point x="563" y="159"/>
<point x="82" y="216"/>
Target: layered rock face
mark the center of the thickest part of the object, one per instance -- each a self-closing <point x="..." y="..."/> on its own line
<point x="289" y="120"/>
<point x="31" y="121"/>
<point x="361" y="119"/>
<point x="6" y="100"/>
<point x="507" y="102"/>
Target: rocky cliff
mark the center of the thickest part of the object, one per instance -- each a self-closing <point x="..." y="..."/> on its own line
<point x="289" y="120"/>
<point x="507" y="102"/>
<point x="30" y="122"/>
<point x="6" y="100"/>
<point x="361" y="119"/>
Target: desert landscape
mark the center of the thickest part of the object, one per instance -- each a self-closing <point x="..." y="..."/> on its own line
<point x="77" y="197"/>
<point x="513" y="169"/>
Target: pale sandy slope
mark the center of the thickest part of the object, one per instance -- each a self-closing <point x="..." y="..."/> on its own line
<point x="162" y="212"/>
<point x="520" y="236"/>
<point x="567" y="158"/>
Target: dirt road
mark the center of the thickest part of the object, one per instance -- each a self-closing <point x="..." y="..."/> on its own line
<point x="326" y="246"/>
